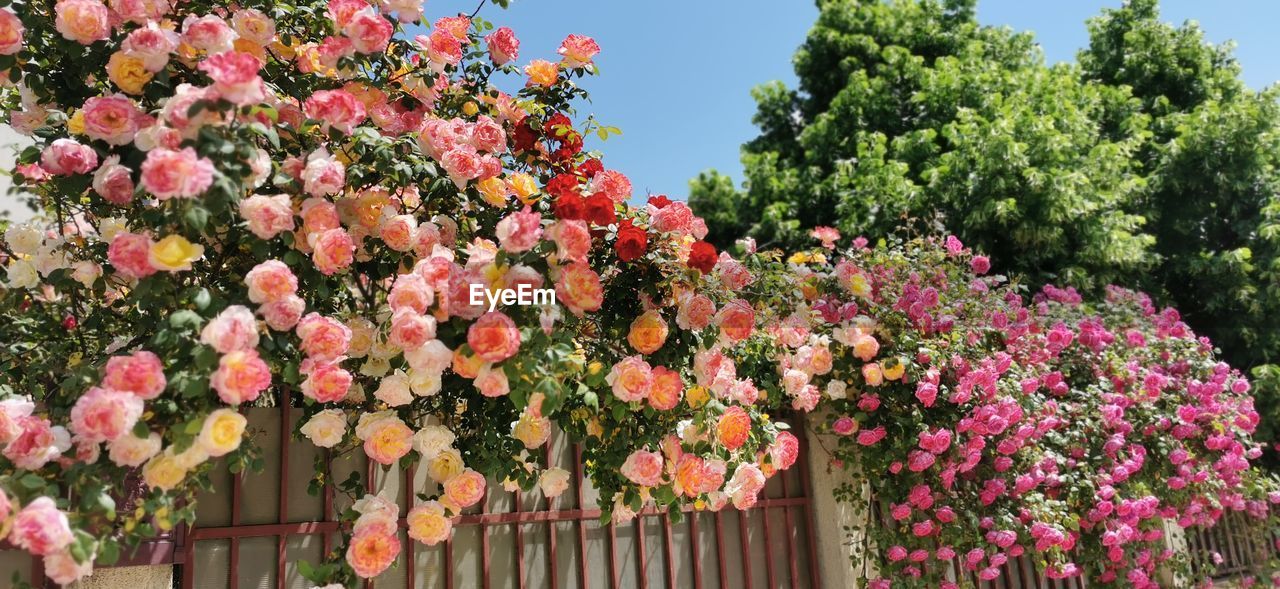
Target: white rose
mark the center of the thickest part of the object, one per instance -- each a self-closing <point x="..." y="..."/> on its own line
<point x="50" y="258"/>
<point x="86" y="272"/>
<point x="424" y="383"/>
<point x="110" y="227"/>
<point x="394" y="390"/>
<point x="432" y="356"/>
<point x="375" y="367"/>
<point x="24" y="238"/>
<point x="431" y="440"/>
<point x="128" y="450"/>
<point x="553" y="481"/>
<point x="22" y="274"/>
<point x="326" y="428"/>
<point x="837" y="389"/>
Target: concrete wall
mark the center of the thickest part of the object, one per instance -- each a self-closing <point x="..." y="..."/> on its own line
<point x="840" y="546"/>
<point x="10" y="143"/>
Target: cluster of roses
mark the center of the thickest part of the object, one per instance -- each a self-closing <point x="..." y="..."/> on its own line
<point x="1069" y="429"/>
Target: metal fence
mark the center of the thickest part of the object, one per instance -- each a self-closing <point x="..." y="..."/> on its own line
<point x="253" y="529"/>
<point x="1234" y="547"/>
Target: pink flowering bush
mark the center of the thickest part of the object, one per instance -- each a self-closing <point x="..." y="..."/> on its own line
<point x="294" y="202"/>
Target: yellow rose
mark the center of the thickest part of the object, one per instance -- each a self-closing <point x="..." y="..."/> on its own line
<point x="894" y="369"/>
<point x="697" y="396"/>
<point x="494" y="191"/>
<point x="532" y="430"/>
<point x="524" y="186"/>
<point x="445" y="465"/>
<point x="470" y="109"/>
<point x="75" y="124"/>
<point x="174" y="253"/>
<point x="246" y="46"/>
<point x="222" y="431"/>
<point x="127" y="73"/>
<point x="163" y="472"/>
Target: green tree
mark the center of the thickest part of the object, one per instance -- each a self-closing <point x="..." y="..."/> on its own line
<point x="1149" y="163"/>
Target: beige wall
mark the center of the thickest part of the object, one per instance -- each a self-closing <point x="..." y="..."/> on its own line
<point x="10" y="144"/>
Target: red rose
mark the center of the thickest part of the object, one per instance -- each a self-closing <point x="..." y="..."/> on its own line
<point x="524" y="138"/>
<point x="600" y="209"/>
<point x="659" y="201"/>
<point x="632" y="241"/>
<point x="702" y="256"/>
<point x="563" y="185"/>
<point x="590" y="168"/>
<point x="570" y="207"/>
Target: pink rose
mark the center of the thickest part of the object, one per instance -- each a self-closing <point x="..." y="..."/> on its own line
<point x="323" y="339"/>
<point x="253" y="25"/>
<point x="323" y="175"/>
<point x="129" y="254"/>
<point x="233" y="329"/>
<point x="152" y="44"/>
<point x="102" y="415"/>
<point x="333" y="251"/>
<point x="736" y="320"/>
<point x="519" y="231"/>
<point x="463" y="164"/>
<point x="168" y="173"/>
<point x="579" y="288"/>
<point x="327" y="383"/>
<point x="630" y="379"/>
<point x="283" y="314"/>
<point x="465" y="489"/>
<point x="573" y="240"/>
<point x="235" y="77"/>
<point x="578" y="50"/>
<point x="40" y="528"/>
<point x="491" y="381"/>
<point x="369" y="31"/>
<point x="114" y="119"/>
<point x="10" y="32"/>
<point x="695" y="312"/>
<point x="487" y="135"/>
<point x="62" y="568"/>
<point x="613" y="184"/>
<point x="410" y="291"/>
<point x="38" y="443"/>
<point x="335" y="108"/>
<point x="208" y="33"/>
<point x="140" y="373"/>
<point x="504" y="47"/>
<point x="270" y="281"/>
<point x="241" y="376"/>
<point x="399" y="232"/>
<point x="319" y="215"/>
<point x="83" y="21"/>
<point x="114" y="182"/>
<point x="494" y="337"/>
<point x="12" y="411"/>
<point x="68" y="157"/>
<point x="745" y="485"/>
<point x="643" y="468"/>
<point x="410" y="329"/>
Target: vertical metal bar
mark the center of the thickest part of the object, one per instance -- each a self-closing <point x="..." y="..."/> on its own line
<point x="746" y="549"/>
<point x="520" y="577"/>
<point x="237" y="490"/>
<point x="551" y="525"/>
<point x="642" y="568"/>
<point x="283" y="539"/>
<point x="613" y="556"/>
<point x="188" y="562"/>
<point x="697" y="553"/>
<point x="368" y="488"/>
<point x="668" y="548"/>
<point x="724" y="573"/>
<point x="448" y="563"/>
<point x="768" y="543"/>
<point x="582" y="528"/>
<point x="792" y="567"/>
<point x="412" y="552"/>
<point x="485" y="557"/>
<point x="327" y="539"/>
<point x="806" y="485"/>
<point x="37" y="571"/>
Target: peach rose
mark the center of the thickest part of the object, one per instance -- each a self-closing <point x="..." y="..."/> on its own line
<point x="267" y="216"/>
<point x="733" y="428"/>
<point x="241" y="377"/>
<point x="631" y="379"/>
<point x="643" y="468"/>
<point x="745" y="486"/>
<point x="11" y="31"/>
<point x="234" y="329"/>
<point x="332" y="251"/>
<point x="83" y="21"/>
<point x="411" y="330"/>
<point x="41" y="528"/>
<point x="269" y="281"/>
<point x="140" y="373"/>
<point x="208" y="33"/>
<point x="465" y="489"/>
<point x="572" y="238"/>
<point x="410" y="291"/>
<point x="667" y="389"/>
<point x="62" y="569"/>
<point x="102" y="415"/>
<point x="491" y="381"/>
<point x="114" y="182"/>
<point x="369" y="31"/>
<point x="553" y="482"/>
<point x="169" y="173"/>
<point x="736" y="321"/>
<point x="578" y="50"/>
<point x="152" y="45"/>
<point x="372" y="550"/>
<point x="504" y="47"/>
<point x="648" y="332"/>
<point x="323" y="339"/>
<point x="532" y="429"/>
<point x="399" y="232"/>
<point x="696" y="476"/>
<point x="283" y="315"/>
<point x="695" y="312"/>
<point x="114" y="119"/>
<point x="39" y="442"/>
<point x="494" y="337"/>
<point x="579" y="288"/>
<point x="390" y="440"/>
<point x="12" y="411"/>
<point x="68" y="157"/>
<point x="428" y="523"/>
<point x="542" y="72"/>
<point x="129" y="450"/>
<point x="445" y="465"/>
<point x="394" y="390"/>
<point x="164" y="471"/>
<point x="519" y="231"/>
<point x="327" y="383"/>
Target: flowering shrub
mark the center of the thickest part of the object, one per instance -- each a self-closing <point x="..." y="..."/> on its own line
<point x="294" y="202"/>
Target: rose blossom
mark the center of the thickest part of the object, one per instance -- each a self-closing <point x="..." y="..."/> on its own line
<point x="235" y="77"/>
<point x="11" y="31"/>
<point x="578" y="50"/>
<point x="140" y="373"/>
<point x="428" y="523"/>
<point x="326" y="428"/>
<point x="231" y="330"/>
<point x="208" y="33"/>
<point x="630" y="379"/>
<point x="131" y="451"/>
<point x="323" y="339"/>
<point x="410" y="329"/>
<point x="102" y="415"/>
<point x="335" y="108"/>
<point x="68" y="157"/>
<point x="465" y="489"/>
<point x="114" y="182"/>
<point x="491" y="381"/>
<point x="114" y="119"/>
<point x="241" y="376"/>
<point x="333" y="251"/>
<point x="270" y="281"/>
<point x="323" y="175"/>
<point x="553" y="482"/>
<point x="369" y="32"/>
<point x="579" y="288"/>
<point x="745" y="485"/>
<point x="327" y="383"/>
<point x="519" y="231"/>
<point x="168" y="173"/>
<point x="152" y="44"/>
<point x="83" y="21"/>
<point x="283" y="314"/>
<point x="130" y="255"/>
<point x="504" y="47"/>
<point x="41" y="528"/>
<point x="494" y="337"/>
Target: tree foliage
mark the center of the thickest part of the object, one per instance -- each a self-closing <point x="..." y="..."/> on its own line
<point x="1148" y="163"/>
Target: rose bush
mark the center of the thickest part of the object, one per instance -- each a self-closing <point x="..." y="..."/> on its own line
<point x="291" y="202"/>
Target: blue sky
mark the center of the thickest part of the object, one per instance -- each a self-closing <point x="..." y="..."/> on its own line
<point x="676" y="76"/>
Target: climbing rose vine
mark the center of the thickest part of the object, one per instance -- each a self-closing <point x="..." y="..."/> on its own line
<point x="294" y="202"/>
